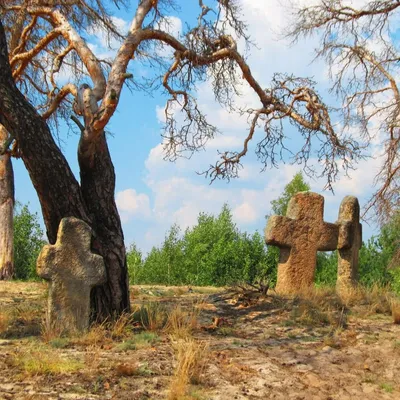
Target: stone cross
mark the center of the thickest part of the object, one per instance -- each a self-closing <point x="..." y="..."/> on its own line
<point x="299" y="236"/>
<point x="349" y="243"/>
<point x="72" y="270"/>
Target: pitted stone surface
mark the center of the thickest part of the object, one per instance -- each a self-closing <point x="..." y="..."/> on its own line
<point x="72" y="271"/>
<point x="349" y="243"/>
<point x="299" y="235"/>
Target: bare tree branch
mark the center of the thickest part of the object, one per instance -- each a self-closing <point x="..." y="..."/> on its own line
<point x="358" y="46"/>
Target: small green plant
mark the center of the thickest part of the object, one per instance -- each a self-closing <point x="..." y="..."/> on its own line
<point x="126" y="345"/>
<point x="59" y="343"/>
<point x="139" y="341"/>
<point x="145" y="370"/>
<point x="43" y="361"/>
<point x="387" y="387"/>
<point x="98" y="384"/>
<point x="226" y="331"/>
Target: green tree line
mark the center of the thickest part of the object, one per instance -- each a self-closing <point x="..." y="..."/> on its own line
<point x="215" y="252"/>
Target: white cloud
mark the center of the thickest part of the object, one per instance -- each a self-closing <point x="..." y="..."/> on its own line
<point x="178" y="195"/>
<point x="245" y="213"/>
<point x="172" y="25"/>
<point x="106" y="46"/>
<point x="132" y="204"/>
<point x="225" y="142"/>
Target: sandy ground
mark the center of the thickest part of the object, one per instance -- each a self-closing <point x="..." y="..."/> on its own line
<point x="257" y="348"/>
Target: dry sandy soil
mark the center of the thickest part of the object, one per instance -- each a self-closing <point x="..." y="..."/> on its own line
<point x="252" y="347"/>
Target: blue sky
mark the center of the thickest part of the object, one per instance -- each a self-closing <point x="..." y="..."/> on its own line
<point x="152" y="193"/>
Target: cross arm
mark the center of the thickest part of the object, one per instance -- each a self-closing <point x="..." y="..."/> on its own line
<point x="328" y="239"/>
<point x="96" y="274"/>
<point x="45" y="262"/>
<point x="279" y="231"/>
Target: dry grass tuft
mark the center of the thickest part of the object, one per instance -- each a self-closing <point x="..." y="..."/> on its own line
<point x="4" y="322"/>
<point x="181" y="323"/>
<point x="121" y="327"/>
<point x="373" y="300"/>
<point x="324" y="297"/>
<point x="43" y="361"/>
<point x="318" y="307"/>
<point x="151" y="316"/>
<point x="323" y="306"/>
<point x="395" y="306"/>
<point x="51" y="331"/>
<point x="27" y="314"/>
<point x="20" y="320"/>
<point x="190" y="365"/>
<point x="97" y="335"/>
<point x="92" y="357"/>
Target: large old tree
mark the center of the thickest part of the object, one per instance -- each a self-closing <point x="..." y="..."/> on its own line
<point x="51" y="34"/>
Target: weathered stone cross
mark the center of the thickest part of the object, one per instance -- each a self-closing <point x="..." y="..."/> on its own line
<point x="73" y="270"/>
<point x="349" y="243"/>
<point x="299" y="236"/>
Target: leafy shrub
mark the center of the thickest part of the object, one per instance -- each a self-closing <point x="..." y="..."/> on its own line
<point x="28" y="242"/>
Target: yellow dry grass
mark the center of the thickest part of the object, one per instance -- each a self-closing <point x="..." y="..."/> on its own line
<point x="395" y="306"/>
<point x="51" y="330"/>
<point x="374" y="299"/>
<point x="120" y="327"/>
<point x="4" y="321"/>
<point x="190" y="357"/>
<point x="97" y="335"/>
<point x="181" y="323"/>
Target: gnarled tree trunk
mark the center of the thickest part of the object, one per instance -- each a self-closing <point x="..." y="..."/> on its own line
<point x="6" y="213"/>
<point x="61" y="195"/>
<point x="98" y="187"/>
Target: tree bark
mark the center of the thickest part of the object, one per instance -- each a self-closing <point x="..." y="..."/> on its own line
<point x="6" y="214"/>
<point x="60" y="194"/>
<point x="98" y="187"/>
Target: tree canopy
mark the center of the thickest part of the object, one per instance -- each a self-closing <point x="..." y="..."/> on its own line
<point x="361" y="48"/>
<point x="45" y="36"/>
<point x="297" y="184"/>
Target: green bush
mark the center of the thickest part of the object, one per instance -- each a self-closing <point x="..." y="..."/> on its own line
<point x="326" y="271"/>
<point x="28" y="242"/>
<point x="213" y="252"/>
